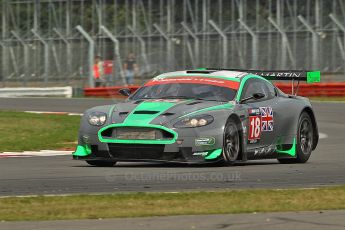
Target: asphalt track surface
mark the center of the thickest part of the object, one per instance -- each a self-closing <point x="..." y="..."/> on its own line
<point x="61" y="175"/>
<point x="330" y="220"/>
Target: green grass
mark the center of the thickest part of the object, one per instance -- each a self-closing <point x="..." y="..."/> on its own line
<point x="163" y="204"/>
<point x="21" y="131"/>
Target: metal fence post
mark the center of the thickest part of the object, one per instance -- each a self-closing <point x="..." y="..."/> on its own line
<point x="26" y="56"/>
<point x="68" y="51"/>
<point x="225" y="42"/>
<point x="254" y="43"/>
<point x="46" y="55"/>
<point x="4" y="35"/>
<point x="142" y="46"/>
<point x="91" y="54"/>
<point x="342" y="28"/>
<point x="285" y="46"/>
<point x="169" y="46"/>
<point x="196" y="44"/>
<point x="4" y="49"/>
<point x="116" y="52"/>
<point x="315" y="42"/>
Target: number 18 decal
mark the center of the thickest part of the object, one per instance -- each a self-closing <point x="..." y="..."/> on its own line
<point x="254" y="127"/>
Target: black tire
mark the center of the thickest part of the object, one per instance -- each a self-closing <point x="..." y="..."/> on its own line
<point x="305" y="139"/>
<point x="231" y="143"/>
<point x="99" y="163"/>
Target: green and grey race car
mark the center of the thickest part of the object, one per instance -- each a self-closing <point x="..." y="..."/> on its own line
<point x="203" y="116"/>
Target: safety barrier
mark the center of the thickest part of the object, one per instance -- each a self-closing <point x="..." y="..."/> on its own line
<point x="37" y="92"/>
<point x="334" y="89"/>
<point x="330" y="89"/>
<point x="107" y="91"/>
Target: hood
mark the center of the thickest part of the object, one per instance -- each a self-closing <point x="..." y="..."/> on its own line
<point x="160" y="111"/>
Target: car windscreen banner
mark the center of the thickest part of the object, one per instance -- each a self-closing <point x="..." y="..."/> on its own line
<point x="284" y="75"/>
<point x="195" y="80"/>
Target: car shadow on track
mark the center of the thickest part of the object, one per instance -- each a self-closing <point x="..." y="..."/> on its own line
<point x="183" y="165"/>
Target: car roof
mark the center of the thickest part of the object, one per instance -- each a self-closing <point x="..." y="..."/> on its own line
<point x="222" y="74"/>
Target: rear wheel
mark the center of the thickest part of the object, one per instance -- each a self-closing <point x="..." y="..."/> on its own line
<point x="231" y="146"/>
<point x="101" y="163"/>
<point x="305" y="140"/>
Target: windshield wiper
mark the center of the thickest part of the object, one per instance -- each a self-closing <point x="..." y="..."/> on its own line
<point x="181" y="97"/>
<point x="176" y="97"/>
<point x="165" y="97"/>
<point x="144" y="98"/>
<point x="195" y="98"/>
<point x="204" y="99"/>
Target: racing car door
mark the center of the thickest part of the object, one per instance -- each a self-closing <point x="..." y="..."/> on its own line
<point x="263" y="116"/>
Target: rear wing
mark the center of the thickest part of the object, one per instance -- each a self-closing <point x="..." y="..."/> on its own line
<point x="282" y="75"/>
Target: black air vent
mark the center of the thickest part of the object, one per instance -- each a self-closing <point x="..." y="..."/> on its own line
<point x="123" y="113"/>
<point x="168" y="114"/>
<point x="145" y="112"/>
<point x="194" y="103"/>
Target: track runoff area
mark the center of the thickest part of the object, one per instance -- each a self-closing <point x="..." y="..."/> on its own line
<point x="26" y="175"/>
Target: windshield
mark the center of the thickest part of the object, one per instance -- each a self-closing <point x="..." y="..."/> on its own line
<point x="185" y="91"/>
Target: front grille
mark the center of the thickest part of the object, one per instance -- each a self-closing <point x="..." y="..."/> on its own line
<point x="150" y="152"/>
<point x="96" y="153"/>
<point x="136" y="133"/>
<point x="136" y="151"/>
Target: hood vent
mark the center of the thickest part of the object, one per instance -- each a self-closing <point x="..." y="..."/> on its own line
<point x="194" y="103"/>
<point x="123" y="113"/>
<point x="168" y="114"/>
<point x="145" y="112"/>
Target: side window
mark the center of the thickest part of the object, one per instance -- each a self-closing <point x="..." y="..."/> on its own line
<point x="271" y="90"/>
<point x="255" y="85"/>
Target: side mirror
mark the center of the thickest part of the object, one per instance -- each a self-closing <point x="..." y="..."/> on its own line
<point x="255" y="96"/>
<point x="125" y="92"/>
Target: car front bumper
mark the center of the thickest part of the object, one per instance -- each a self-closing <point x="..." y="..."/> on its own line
<point x="199" y="145"/>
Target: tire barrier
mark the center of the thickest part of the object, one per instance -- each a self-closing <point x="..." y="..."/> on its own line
<point x="107" y="91"/>
<point x="331" y="89"/>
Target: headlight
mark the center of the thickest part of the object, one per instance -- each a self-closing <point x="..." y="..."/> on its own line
<point x="194" y="121"/>
<point x="97" y="118"/>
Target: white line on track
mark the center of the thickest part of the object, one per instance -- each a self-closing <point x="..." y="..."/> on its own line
<point x="42" y="153"/>
<point x="323" y="135"/>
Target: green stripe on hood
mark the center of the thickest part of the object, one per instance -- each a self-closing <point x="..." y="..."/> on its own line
<point x="144" y="119"/>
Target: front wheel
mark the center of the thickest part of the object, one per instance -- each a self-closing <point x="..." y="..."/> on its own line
<point x="99" y="163"/>
<point x="231" y="143"/>
<point x="305" y="140"/>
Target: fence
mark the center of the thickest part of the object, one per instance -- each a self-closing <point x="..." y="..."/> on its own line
<point x="56" y="40"/>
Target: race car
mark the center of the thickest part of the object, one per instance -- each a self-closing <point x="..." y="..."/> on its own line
<point x="203" y="116"/>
